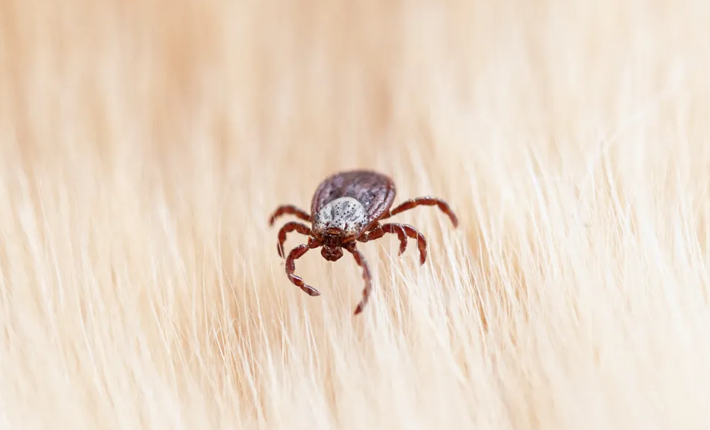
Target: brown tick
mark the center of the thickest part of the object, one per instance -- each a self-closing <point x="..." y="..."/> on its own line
<point x="347" y="208"/>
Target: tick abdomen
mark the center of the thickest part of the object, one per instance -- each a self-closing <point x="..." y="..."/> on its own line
<point x="344" y="213"/>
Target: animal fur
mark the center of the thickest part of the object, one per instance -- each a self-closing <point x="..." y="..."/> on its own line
<point x="143" y="145"/>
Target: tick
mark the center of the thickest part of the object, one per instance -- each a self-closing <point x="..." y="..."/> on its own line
<point x="347" y="208"/>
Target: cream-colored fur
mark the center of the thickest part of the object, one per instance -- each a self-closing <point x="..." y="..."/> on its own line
<point x="143" y="146"/>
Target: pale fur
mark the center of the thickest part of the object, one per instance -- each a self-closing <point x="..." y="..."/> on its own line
<point x="143" y="145"/>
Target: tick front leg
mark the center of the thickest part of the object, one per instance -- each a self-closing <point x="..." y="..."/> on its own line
<point x="295" y="254"/>
<point x="381" y="230"/>
<point x="412" y="233"/>
<point x="289" y="210"/>
<point x="287" y="228"/>
<point x="424" y="201"/>
<point x="402" y="230"/>
<point x="360" y="260"/>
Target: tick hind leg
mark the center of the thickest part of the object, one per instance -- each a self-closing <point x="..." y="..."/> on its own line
<point x="424" y="201"/>
<point x="295" y="254"/>
<point x="401" y="230"/>
<point x="288" y="228"/>
<point x="360" y="260"/>
<point x="289" y="210"/>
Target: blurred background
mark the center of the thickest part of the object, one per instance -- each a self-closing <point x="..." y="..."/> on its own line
<point x="143" y="146"/>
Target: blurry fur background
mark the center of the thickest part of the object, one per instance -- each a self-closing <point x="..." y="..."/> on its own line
<point x="144" y="144"/>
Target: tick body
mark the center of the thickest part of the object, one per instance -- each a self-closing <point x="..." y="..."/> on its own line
<point x="347" y="208"/>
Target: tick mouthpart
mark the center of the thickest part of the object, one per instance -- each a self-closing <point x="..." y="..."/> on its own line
<point x="331" y="253"/>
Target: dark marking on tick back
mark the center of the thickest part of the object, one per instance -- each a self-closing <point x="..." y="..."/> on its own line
<point x="347" y="208"/>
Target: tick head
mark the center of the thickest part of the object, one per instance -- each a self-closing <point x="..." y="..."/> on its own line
<point x="331" y="253"/>
<point x="342" y="218"/>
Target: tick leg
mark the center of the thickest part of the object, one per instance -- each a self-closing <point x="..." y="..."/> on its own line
<point x="424" y="201"/>
<point x="289" y="210"/>
<point x="288" y="228"/>
<point x="402" y="231"/>
<point x="381" y="230"/>
<point x="414" y="234"/>
<point x="360" y="260"/>
<point x="295" y="254"/>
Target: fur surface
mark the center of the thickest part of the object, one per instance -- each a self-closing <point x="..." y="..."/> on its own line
<point x="143" y="145"/>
